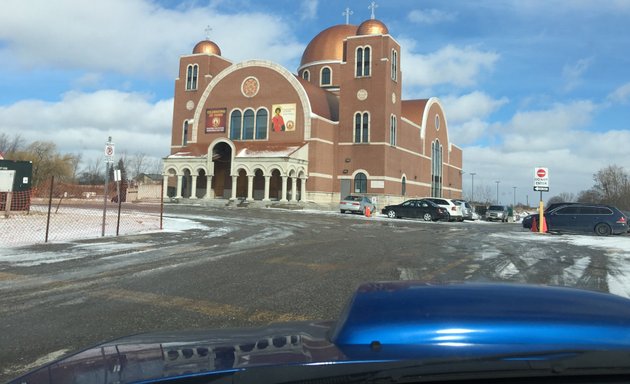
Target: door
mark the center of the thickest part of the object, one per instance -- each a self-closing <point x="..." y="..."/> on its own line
<point x="345" y="188"/>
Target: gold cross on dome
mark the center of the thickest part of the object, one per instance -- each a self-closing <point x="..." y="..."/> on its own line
<point x="208" y="30"/>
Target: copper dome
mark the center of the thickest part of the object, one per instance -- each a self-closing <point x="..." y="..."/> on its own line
<point x="207" y="46"/>
<point x="372" y="27"/>
<point x="328" y="44"/>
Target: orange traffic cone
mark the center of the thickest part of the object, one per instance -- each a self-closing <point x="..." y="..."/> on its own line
<point x="534" y="225"/>
<point x="544" y="225"/>
<point x="367" y="212"/>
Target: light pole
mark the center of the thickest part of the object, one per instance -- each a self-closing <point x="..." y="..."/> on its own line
<point x="514" y="203"/>
<point x="497" y="190"/>
<point x="472" y="186"/>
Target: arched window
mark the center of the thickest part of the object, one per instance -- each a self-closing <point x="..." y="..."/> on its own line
<point x="404" y="186"/>
<point x="192" y="72"/>
<point x="248" y="124"/>
<point x="361" y="127"/>
<point x="185" y="133"/>
<point x="436" y="169"/>
<point x="393" y="126"/>
<point x="360" y="183"/>
<point x="261" y="124"/>
<point x="363" y="56"/>
<point x="326" y="76"/>
<point x="394" y="65"/>
<point x="235" y="125"/>
<point x="437" y="122"/>
<point x="306" y="75"/>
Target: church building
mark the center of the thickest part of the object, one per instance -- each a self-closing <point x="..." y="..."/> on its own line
<point x="255" y="130"/>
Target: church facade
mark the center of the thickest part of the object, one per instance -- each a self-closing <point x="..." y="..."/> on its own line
<point x="254" y="130"/>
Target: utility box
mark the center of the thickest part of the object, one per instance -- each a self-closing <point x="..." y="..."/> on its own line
<point x="22" y="174"/>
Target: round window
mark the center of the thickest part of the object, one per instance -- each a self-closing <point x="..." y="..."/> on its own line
<point x="437" y="121"/>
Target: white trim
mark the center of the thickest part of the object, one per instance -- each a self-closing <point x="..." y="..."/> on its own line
<point x="320" y="175"/>
<point x="321" y="140"/>
<point x="206" y="54"/>
<point x="316" y="116"/>
<point x="320" y="62"/>
<point x="388" y="145"/>
<point x="411" y="123"/>
<point x="425" y="117"/>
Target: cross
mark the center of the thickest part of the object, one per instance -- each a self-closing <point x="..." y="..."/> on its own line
<point x="373" y="6"/>
<point x="347" y="14"/>
<point x="208" y="30"/>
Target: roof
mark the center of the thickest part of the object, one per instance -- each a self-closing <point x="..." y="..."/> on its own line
<point x="268" y="149"/>
<point x="328" y="44"/>
<point x="413" y="110"/>
<point x="323" y="103"/>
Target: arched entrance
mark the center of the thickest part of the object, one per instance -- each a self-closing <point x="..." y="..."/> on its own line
<point x="241" y="184"/>
<point x="275" y="185"/>
<point x="222" y="181"/>
<point x="259" y="185"/>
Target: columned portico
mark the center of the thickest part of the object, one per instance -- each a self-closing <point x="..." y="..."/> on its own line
<point x="250" y="187"/>
<point x="267" y="181"/>
<point x="283" y="197"/>
<point x="209" y="190"/>
<point x="294" y="189"/>
<point x="234" y="184"/>
<point x="180" y="179"/>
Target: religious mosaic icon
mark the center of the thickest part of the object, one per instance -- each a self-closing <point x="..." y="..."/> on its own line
<point x="250" y="87"/>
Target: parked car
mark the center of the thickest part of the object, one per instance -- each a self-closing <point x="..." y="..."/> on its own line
<point x="527" y="220"/>
<point x="454" y="209"/>
<point x="421" y="209"/>
<point x="497" y="212"/>
<point x="356" y="204"/>
<point x="467" y="209"/>
<point x="603" y="220"/>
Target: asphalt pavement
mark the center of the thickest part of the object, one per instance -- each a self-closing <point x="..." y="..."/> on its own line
<point x="249" y="266"/>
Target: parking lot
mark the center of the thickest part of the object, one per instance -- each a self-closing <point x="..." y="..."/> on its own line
<point x="223" y="267"/>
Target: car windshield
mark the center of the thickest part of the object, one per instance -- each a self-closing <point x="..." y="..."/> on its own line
<point x="192" y="187"/>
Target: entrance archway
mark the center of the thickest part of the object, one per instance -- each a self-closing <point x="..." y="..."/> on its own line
<point x="222" y="181"/>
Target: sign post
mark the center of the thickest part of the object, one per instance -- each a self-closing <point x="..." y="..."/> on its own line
<point x="109" y="158"/>
<point x="541" y="183"/>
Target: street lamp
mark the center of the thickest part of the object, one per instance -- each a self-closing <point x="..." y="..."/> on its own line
<point x="472" y="186"/>
<point x="514" y="203"/>
<point x="497" y="190"/>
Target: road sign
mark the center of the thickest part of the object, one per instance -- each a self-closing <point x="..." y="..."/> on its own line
<point x="541" y="179"/>
<point x="109" y="153"/>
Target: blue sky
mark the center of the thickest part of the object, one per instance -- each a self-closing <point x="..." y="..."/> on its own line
<point x="524" y="83"/>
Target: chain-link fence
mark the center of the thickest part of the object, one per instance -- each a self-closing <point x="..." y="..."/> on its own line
<point x="62" y="212"/>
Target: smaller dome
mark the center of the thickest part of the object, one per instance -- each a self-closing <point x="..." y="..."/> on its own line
<point x="372" y="27"/>
<point x="207" y="46"/>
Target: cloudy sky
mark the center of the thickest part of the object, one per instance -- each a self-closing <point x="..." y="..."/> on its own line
<point x="524" y="83"/>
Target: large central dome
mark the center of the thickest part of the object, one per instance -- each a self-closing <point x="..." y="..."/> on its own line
<point x="328" y="44"/>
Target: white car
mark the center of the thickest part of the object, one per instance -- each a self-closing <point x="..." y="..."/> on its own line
<point x="453" y="209"/>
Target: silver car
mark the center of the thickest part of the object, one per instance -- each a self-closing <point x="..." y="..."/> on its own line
<point x="356" y="204"/>
<point x="467" y="209"/>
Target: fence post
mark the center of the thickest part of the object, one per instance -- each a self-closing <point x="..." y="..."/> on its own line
<point x="52" y="183"/>
<point x="162" y="203"/>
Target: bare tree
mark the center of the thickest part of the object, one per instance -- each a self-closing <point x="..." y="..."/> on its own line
<point x="94" y="173"/>
<point x="564" y="197"/>
<point x="137" y="164"/>
<point x="10" y="145"/>
<point x="47" y="161"/>
<point x="484" y="194"/>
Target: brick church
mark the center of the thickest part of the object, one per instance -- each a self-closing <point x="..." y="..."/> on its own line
<point x="255" y="130"/>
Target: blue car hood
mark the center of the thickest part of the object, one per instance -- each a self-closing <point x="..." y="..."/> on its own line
<point x="387" y="321"/>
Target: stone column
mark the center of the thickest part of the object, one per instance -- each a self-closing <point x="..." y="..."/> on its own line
<point x="283" y="198"/>
<point x="303" y="189"/>
<point x="193" y="192"/>
<point x="250" y="188"/>
<point x="234" y="179"/>
<point x="180" y="179"/>
<point x="165" y="178"/>
<point x="294" y="189"/>
<point x="267" y="183"/>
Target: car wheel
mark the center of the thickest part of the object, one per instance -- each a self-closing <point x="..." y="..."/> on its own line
<point x="391" y="214"/>
<point x="342" y="211"/>
<point x="427" y="217"/>
<point x="602" y="229"/>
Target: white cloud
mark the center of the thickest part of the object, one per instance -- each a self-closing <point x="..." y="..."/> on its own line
<point x="133" y="36"/>
<point x="452" y="65"/>
<point x="430" y="16"/>
<point x="81" y="122"/>
<point x="620" y="95"/>
<point x="572" y="74"/>
<point x="308" y="9"/>
<point x="473" y="105"/>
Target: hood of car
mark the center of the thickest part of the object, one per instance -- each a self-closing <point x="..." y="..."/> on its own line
<point x="383" y="321"/>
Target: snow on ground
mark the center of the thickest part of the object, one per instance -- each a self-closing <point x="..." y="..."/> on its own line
<point x="616" y="249"/>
